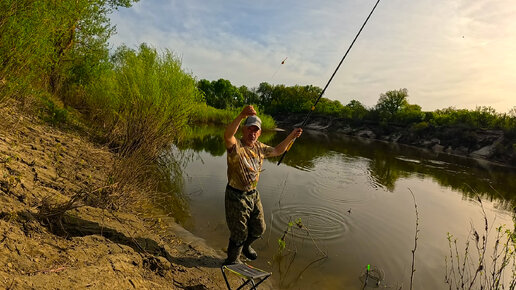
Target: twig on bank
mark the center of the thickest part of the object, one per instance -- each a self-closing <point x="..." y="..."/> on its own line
<point x="292" y="253"/>
<point x="308" y="266"/>
<point x="46" y="271"/>
<point x="11" y="285"/>
<point x="482" y="249"/>
<point x="129" y="233"/>
<point x="302" y="226"/>
<point x="478" y="275"/>
<point x="415" y="241"/>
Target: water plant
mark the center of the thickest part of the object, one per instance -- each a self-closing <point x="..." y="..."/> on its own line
<point x="288" y="245"/>
<point x="475" y="269"/>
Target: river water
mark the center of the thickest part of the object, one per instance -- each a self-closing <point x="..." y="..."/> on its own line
<point x="349" y="205"/>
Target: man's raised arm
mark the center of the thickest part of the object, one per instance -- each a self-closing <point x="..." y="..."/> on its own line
<point x="232" y="128"/>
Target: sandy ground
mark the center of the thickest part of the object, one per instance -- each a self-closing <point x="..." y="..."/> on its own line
<point x="92" y="248"/>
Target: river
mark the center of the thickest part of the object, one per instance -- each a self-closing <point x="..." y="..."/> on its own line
<point x="349" y="205"/>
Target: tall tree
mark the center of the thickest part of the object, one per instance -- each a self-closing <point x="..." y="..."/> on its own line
<point x="391" y="102"/>
<point x="250" y="96"/>
<point x="264" y="92"/>
<point x="358" y="110"/>
<point x="512" y="112"/>
<point x="282" y="99"/>
<point x="221" y="94"/>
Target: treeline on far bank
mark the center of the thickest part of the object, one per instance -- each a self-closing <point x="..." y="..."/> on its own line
<point x="392" y="107"/>
<point x="481" y="132"/>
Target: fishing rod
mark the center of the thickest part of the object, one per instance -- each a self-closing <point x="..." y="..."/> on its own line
<point x="329" y="81"/>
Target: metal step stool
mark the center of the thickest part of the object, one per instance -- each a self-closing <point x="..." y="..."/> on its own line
<point x="248" y="273"/>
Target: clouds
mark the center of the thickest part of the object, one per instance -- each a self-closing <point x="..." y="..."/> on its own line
<point x="413" y="44"/>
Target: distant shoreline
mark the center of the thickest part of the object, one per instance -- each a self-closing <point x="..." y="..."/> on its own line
<point x="480" y="144"/>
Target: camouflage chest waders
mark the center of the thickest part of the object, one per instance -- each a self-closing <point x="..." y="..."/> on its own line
<point x="244" y="214"/>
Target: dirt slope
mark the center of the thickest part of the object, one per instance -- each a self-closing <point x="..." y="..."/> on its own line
<point x="92" y="248"/>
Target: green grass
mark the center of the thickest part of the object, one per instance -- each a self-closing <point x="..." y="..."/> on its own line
<point x="204" y="114"/>
<point x="52" y="112"/>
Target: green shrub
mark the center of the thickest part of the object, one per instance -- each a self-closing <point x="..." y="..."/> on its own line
<point x="204" y="114"/>
<point x="145" y="101"/>
<point x="54" y="114"/>
<point x="267" y="122"/>
<point x="45" y="45"/>
<point x="420" y="126"/>
<point x="26" y="48"/>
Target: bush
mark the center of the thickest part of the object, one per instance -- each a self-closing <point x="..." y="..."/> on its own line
<point x="420" y="126"/>
<point x="144" y="101"/>
<point x="53" y="113"/>
<point x="410" y="114"/>
<point x="204" y="114"/>
<point x="330" y="108"/>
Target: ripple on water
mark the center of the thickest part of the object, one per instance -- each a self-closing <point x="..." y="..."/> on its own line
<point x="333" y="181"/>
<point x="323" y="223"/>
<point x="343" y="195"/>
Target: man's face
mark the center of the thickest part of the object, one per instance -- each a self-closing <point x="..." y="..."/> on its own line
<point x="251" y="134"/>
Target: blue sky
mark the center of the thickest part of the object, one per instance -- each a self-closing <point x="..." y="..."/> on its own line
<point x="458" y="53"/>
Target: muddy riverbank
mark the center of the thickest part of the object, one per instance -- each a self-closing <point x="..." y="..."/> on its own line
<point x="89" y="247"/>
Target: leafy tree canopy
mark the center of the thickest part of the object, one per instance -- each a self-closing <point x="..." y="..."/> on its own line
<point x="391" y="103"/>
<point x="221" y="94"/>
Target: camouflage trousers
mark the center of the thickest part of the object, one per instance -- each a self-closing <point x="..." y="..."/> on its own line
<point x="244" y="214"/>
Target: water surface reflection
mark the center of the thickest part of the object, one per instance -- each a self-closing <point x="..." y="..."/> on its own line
<point x="352" y="194"/>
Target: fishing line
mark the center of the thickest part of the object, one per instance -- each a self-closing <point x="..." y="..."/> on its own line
<point x="329" y="81"/>
<point x="282" y="63"/>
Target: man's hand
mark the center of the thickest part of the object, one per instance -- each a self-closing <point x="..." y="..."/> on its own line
<point x="296" y="133"/>
<point x="229" y="134"/>
<point x="248" y="111"/>
<point x="282" y="147"/>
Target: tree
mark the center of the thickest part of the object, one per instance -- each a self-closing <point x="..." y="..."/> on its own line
<point x="264" y="92"/>
<point x="329" y="107"/>
<point x="250" y="96"/>
<point x="295" y="99"/>
<point x="206" y="90"/>
<point x="357" y="110"/>
<point x="390" y="103"/>
<point x="228" y="94"/>
<point x="221" y="94"/>
<point x="410" y="114"/>
<point x="151" y="100"/>
<point x="512" y="112"/>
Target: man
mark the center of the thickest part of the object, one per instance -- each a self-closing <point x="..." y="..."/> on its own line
<point x="244" y="211"/>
